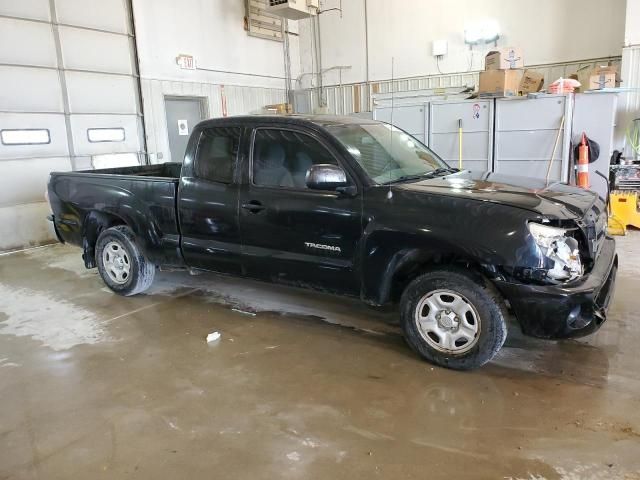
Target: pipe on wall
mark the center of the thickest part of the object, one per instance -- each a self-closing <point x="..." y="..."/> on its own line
<point x="366" y="55"/>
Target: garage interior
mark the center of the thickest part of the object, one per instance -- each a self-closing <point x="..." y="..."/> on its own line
<point x="300" y="383"/>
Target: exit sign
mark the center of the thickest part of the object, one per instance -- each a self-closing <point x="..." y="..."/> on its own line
<point x="186" y="62"/>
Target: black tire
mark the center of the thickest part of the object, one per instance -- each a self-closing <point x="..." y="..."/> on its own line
<point x="486" y="304"/>
<point x="139" y="271"/>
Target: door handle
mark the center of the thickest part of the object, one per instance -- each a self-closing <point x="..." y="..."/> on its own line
<point x="254" y="206"/>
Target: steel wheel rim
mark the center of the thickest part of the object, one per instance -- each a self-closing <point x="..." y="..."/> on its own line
<point x="116" y="262"/>
<point x="447" y="321"/>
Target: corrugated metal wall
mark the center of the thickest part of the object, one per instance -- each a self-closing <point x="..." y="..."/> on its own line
<point x="355" y="98"/>
<point x="58" y="59"/>
<point x="220" y="100"/>
<point x="629" y="104"/>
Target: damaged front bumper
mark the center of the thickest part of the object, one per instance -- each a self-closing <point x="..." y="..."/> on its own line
<point x="571" y="310"/>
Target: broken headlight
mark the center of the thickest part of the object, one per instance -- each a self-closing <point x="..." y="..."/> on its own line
<point x="561" y="250"/>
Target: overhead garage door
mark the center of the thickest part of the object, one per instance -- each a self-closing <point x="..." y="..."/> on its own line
<point x="69" y="99"/>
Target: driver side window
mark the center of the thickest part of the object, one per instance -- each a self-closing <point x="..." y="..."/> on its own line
<point x="281" y="158"/>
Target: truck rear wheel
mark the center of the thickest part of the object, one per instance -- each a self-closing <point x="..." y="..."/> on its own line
<point x="122" y="265"/>
<point x="453" y="319"/>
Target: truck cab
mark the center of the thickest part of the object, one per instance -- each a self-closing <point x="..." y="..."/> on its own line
<point x="266" y="222"/>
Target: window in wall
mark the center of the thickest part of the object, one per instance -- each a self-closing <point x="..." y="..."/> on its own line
<point x="98" y="135"/>
<point x="259" y="23"/>
<point x="281" y="158"/>
<point x="217" y="154"/>
<point x="29" y="136"/>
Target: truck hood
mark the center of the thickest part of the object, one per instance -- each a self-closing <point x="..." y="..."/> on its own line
<point x="554" y="200"/>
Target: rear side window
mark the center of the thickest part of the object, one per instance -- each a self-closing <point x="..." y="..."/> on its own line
<point x="217" y="154"/>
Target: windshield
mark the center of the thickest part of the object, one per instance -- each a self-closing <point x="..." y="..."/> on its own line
<point x="386" y="153"/>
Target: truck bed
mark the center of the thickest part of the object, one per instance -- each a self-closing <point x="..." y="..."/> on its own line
<point x="161" y="170"/>
<point x="142" y="197"/>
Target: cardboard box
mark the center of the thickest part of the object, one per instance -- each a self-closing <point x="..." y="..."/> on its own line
<point x="531" y="82"/>
<point x="605" y="76"/>
<point x="499" y="83"/>
<point x="603" y="80"/>
<point x="504" y="59"/>
<point x="583" y="75"/>
<point x="279" y="108"/>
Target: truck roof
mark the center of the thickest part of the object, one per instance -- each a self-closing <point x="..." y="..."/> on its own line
<point x="300" y="119"/>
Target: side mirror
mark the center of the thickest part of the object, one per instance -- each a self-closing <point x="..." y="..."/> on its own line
<point x="326" y="177"/>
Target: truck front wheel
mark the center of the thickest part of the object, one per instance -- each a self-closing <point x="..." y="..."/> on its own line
<point x="122" y="265"/>
<point x="453" y="319"/>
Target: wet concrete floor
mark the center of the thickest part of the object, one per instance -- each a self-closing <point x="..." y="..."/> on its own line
<point x="300" y="385"/>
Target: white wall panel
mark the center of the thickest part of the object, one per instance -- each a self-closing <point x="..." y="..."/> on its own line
<point x="25" y="181"/>
<point x="28" y="226"/>
<point x="632" y="26"/>
<point x="57" y="132"/>
<point x="113" y="50"/>
<point x="36" y="9"/>
<point x="30" y="90"/>
<point x="239" y="100"/>
<point x="81" y="123"/>
<point x="212" y="31"/>
<point x="98" y="93"/>
<point x="108" y="15"/>
<point x="94" y="86"/>
<point x="24" y="42"/>
<point x="114" y="160"/>
<point x="405" y="29"/>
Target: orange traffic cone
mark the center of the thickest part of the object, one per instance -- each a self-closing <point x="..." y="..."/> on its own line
<point x="583" y="163"/>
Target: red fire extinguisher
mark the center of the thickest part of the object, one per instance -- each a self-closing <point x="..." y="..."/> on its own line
<point x="583" y="163"/>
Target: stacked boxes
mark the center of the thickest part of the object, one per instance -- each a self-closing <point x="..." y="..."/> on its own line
<point x="279" y="108"/>
<point x="504" y="75"/>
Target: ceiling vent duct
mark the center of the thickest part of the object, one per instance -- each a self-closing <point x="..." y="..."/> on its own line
<point x="293" y="9"/>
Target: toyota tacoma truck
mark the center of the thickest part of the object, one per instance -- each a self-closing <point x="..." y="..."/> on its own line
<point x="354" y="207"/>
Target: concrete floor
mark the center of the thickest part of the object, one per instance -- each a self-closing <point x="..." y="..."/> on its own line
<point x="300" y="385"/>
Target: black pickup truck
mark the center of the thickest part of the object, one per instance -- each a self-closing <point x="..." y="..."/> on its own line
<point x="354" y="207"/>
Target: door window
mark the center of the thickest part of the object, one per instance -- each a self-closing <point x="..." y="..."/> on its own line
<point x="281" y="158"/>
<point x="217" y="154"/>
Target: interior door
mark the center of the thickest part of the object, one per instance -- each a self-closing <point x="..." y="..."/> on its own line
<point x="183" y="114"/>
<point x="291" y="234"/>
<point x="208" y="202"/>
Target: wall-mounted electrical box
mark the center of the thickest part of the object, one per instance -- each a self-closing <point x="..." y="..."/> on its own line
<point x="439" y="48"/>
<point x="293" y="9"/>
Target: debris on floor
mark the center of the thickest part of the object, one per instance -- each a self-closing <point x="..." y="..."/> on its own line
<point x="244" y="312"/>
<point x="212" y="337"/>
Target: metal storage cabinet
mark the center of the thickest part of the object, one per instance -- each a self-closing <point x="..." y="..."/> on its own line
<point x="477" y="128"/>
<point x="595" y="114"/>
<point x="413" y="119"/>
<point x="525" y="132"/>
